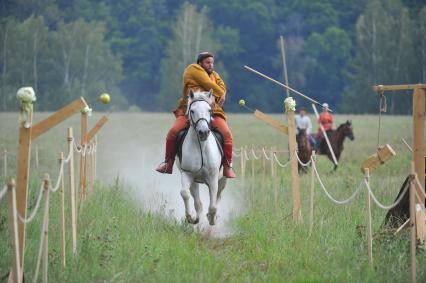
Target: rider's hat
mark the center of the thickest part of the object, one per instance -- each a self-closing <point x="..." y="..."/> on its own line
<point x="203" y="55"/>
<point x="325" y="105"/>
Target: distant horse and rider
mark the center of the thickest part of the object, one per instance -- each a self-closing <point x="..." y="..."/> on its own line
<point x="307" y="142"/>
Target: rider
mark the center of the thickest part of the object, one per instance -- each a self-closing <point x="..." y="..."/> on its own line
<point x="303" y="122"/>
<point x="326" y="120"/>
<point x="200" y="76"/>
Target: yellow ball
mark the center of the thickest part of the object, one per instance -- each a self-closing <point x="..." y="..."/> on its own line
<point x="242" y="102"/>
<point x="105" y="98"/>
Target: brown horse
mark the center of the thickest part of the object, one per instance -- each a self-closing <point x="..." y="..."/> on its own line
<point x="336" y="137"/>
<point x="304" y="149"/>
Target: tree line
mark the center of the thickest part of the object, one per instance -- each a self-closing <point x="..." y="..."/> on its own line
<point x="137" y="50"/>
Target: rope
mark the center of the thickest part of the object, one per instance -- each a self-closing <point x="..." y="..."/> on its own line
<point x="300" y="161"/>
<point x="246" y="155"/>
<point x="264" y="153"/>
<point x="254" y="154"/>
<point x="279" y="163"/>
<point x="3" y="192"/>
<point x="236" y="154"/>
<point x="66" y="160"/>
<point x="60" y="176"/>
<point x="36" y="207"/>
<point x="340" y="202"/>
<point x="382" y="206"/>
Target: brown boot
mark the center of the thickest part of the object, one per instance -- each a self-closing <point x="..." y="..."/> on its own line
<point x="166" y="167"/>
<point x="228" y="172"/>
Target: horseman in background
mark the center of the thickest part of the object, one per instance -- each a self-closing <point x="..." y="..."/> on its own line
<point x="326" y="120"/>
<point x="200" y="76"/>
<point x="303" y="122"/>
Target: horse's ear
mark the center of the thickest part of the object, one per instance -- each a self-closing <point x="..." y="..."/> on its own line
<point x="191" y="94"/>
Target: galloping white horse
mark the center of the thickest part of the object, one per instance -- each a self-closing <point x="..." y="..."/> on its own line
<point x="201" y="158"/>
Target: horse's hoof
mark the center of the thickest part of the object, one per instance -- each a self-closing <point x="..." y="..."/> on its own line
<point x="192" y="220"/>
<point x="211" y="216"/>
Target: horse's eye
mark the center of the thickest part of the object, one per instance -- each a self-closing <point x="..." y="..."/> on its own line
<point x="192" y="111"/>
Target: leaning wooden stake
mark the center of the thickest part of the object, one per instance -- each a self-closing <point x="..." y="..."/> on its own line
<point x="62" y="212"/>
<point x="413" y="224"/>
<point x="369" y="228"/>
<point x="325" y="136"/>
<point x="72" y="192"/>
<point x="311" y="214"/>
<point x="13" y="231"/>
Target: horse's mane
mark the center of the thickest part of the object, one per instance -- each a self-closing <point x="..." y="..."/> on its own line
<point x="342" y="125"/>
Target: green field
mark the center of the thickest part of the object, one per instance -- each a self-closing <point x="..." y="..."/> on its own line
<point x="131" y="228"/>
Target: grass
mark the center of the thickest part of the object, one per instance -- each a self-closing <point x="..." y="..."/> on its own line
<point x="120" y="240"/>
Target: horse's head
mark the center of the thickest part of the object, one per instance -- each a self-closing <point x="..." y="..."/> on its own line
<point x="348" y="130"/>
<point x="199" y="112"/>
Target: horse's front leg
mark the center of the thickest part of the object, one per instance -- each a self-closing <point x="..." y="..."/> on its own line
<point x="213" y="187"/>
<point x="195" y="192"/>
<point x="187" y="181"/>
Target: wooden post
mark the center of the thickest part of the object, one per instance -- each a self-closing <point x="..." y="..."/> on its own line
<point x="369" y="228"/>
<point x="284" y="64"/>
<point x="418" y="137"/>
<point x="83" y="144"/>
<point x="95" y="158"/>
<point x="36" y="156"/>
<point x="46" y="230"/>
<point x="413" y="242"/>
<point x="72" y="192"/>
<point x="5" y="164"/>
<point x="22" y="173"/>
<point x="62" y="213"/>
<point x="295" y="182"/>
<point x="311" y="214"/>
<point x="264" y="164"/>
<point x="272" y="163"/>
<point x="252" y="166"/>
<point x="13" y="231"/>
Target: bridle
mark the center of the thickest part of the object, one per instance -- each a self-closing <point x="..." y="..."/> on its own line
<point x="194" y="124"/>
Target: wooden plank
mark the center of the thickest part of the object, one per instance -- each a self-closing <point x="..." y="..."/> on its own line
<point x="57" y="117"/>
<point x="420" y="223"/>
<point x="295" y="182"/>
<point x="418" y="136"/>
<point x="270" y="121"/>
<point x="379" y="88"/>
<point x="97" y="127"/>
<point x="374" y="161"/>
<point x="22" y="174"/>
<point x="16" y="274"/>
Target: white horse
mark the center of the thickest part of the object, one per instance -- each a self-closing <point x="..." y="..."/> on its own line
<point x="201" y="158"/>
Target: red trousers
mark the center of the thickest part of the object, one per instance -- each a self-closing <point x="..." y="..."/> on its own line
<point x="217" y="122"/>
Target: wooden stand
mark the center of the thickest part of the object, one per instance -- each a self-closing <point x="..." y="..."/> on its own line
<point x="418" y="132"/>
<point x="295" y="182"/>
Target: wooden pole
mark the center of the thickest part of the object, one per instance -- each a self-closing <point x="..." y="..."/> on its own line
<point x="295" y="182"/>
<point x="369" y="227"/>
<point x="418" y="137"/>
<point x="264" y="164"/>
<point x="325" y="136"/>
<point x="13" y="231"/>
<point x="284" y="64"/>
<point x="311" y="214"/>
<point x="95" y="157"/>
<point x="72" y="192"/>
<point x="45" y="254"/>
<point x="413" y="224"/>
<point x="36" y="156"/>
<point x="83" y="144"/>
<point x="22" y="173"/>
<point x="62" y="213"/>
<point x="252" y="168"/>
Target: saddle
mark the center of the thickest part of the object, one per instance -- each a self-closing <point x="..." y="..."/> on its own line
<point x="181" y="137"/>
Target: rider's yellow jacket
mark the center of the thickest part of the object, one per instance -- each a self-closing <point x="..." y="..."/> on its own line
<point x="196" y="78"/>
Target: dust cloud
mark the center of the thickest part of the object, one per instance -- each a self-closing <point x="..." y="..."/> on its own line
<point x="131" y="147"/>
